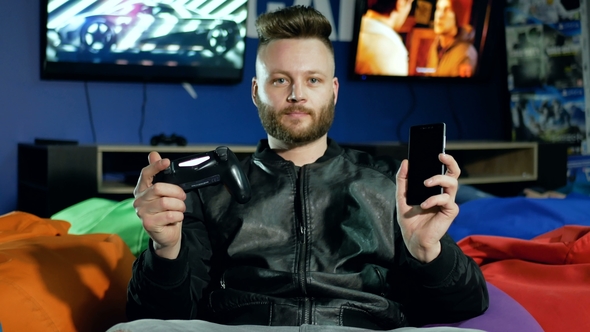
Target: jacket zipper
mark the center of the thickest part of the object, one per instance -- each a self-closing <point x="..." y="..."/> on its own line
<point x="381" y="281"/>
<point x="302" y="272"/>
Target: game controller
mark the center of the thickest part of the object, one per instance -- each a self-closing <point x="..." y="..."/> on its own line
<point x="220" y="166"/>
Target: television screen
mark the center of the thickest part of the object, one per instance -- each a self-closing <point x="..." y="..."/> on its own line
<point x="132" y="40"/>
<point x="420" y="38"/>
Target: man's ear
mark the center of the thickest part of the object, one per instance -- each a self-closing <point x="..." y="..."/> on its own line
<point x="336" y="85"/>
<point x="254" y="91"/>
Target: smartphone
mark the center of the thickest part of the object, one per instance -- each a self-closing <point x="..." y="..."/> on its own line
<point x="426" y="142"/>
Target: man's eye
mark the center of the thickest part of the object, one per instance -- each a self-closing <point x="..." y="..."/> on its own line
<point x="280" y="81"/>
<point x="314" y="80"/>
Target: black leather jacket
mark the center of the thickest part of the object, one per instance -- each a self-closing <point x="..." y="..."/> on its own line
<point x="316" y="246"/>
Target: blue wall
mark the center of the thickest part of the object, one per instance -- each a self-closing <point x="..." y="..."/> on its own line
<point x="366" y="111"/>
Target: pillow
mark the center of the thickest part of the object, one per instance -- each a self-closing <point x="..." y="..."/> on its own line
<point x="53" y="281"/>
<point x="503" y="315"/>
<point x="519" y="217"/>
<point x="99" y="215"/>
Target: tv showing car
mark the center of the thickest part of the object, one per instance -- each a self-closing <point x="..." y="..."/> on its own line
<point x="132" y="40"/>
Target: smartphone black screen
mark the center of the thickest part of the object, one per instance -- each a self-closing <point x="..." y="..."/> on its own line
<point x="425" y="144"/>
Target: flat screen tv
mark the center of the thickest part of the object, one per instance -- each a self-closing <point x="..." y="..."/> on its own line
<point x="143" y="41"/>
<point x="421" y="39"/>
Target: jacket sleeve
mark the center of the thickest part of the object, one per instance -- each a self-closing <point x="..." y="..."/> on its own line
<point x="161" y="288"/>
<point x="449" y="289"/>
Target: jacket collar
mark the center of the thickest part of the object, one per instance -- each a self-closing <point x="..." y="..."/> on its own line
<point x="264" y="152"/>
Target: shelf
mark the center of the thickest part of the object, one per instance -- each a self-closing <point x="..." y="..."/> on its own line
<point x="53" y="177"/>
<point x="481" y="162"/>
<point x="115" y="161"/>
<point x="489" y="145"/>
<point x="172" y="148"/>
<point x="496" y="179"/>
<point x="112" y="187"/>
<point x="495" y="162"/>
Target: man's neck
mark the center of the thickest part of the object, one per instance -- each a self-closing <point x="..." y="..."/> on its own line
<point x="388" y="20"/>
<point x="446" y="40"/>
<point x="300" y="154"/>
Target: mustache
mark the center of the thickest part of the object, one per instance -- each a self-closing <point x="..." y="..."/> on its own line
<point x="293" y="108"/>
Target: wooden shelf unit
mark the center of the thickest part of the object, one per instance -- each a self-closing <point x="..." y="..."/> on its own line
<point x="495" y="162"/>
<point x="130" y="159"/>
<point x="480" y="162"/>
<point x="53" y="177"/>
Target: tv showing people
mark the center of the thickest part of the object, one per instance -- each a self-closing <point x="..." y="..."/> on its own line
<point x="427" y="38"/>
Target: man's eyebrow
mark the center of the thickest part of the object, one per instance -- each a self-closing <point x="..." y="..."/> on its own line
<point x="316" y="72"/>
<point x="307" y="72"/>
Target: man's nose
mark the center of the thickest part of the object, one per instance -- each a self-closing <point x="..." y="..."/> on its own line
<point x="297" y="94"/>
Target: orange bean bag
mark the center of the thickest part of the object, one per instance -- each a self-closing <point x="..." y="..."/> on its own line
<point x="53" y="281"/>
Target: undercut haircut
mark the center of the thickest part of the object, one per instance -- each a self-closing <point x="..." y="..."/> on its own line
<point x="294" y="22"/>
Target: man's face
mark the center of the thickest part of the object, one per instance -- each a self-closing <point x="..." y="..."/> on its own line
<point x="444" y="18"/>
<point x="295" y="89"/>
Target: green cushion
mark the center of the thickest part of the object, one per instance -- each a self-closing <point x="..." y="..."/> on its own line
<point x="99" y="215"/>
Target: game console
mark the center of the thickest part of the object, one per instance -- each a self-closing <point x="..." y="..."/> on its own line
<point x="220" y="166"/>
<point x="168" y="140"/>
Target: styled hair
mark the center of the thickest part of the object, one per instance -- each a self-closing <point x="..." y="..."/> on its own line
<point x="294" y="22"/>
<point x="384" y="7"/>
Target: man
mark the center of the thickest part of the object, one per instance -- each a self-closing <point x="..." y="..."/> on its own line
<point x="380" y="49"/>
<point x="326" y="239"/>
<point x="452" y="53"/>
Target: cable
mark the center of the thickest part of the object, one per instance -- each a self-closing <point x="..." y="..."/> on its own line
<point x="142" y="119"/>
<point x="408" y="113"/>
<point x="90" y="111"/>
<point x="454" y="113"/>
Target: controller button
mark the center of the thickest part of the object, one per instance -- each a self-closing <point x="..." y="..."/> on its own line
<point x="222" y="152"/>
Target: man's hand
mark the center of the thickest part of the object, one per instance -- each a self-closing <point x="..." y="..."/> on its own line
<point x="531" y="193"/>
<point x="465" y="70"/>
<point x="160" y="207"/>
<point x="423" y="226"/>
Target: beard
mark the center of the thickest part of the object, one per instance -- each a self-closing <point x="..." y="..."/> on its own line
<point x="289" y="132"/>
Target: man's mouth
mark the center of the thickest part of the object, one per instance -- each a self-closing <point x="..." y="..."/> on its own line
<point x="296" y="112"/>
